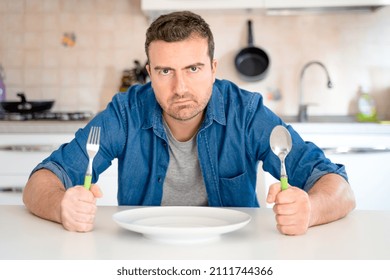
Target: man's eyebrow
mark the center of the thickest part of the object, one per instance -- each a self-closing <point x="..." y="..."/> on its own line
<point x="195" y="64"/>
<point x="158" y="67"/>
<point x="163" y="67"/>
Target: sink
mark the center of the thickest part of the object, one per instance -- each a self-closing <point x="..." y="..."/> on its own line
<point x="322" y="119"/>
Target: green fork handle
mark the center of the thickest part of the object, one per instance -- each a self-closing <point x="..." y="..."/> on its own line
<point x="87" y="181"/>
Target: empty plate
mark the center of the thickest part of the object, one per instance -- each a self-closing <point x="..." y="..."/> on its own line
<point x="182" y="224"/>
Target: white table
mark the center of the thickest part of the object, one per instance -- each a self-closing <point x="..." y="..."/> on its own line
<point x="361" y="235"/>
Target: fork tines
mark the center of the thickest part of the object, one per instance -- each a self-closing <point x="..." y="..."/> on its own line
<point x="94" y="135"/>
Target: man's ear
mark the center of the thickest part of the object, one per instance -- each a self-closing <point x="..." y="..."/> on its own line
<point x="147" y="66"/>
<point x="214" y="65"/>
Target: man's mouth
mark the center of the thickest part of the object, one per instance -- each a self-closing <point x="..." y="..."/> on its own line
<point x="182" y="101"/>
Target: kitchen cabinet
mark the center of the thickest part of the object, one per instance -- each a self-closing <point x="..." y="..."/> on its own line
<point x="364" y="149"/>
<point x="171" y="5"/>
<point x="21" y="152"/>
<point x="153" y="8"/>
<point x="323" y="3"/>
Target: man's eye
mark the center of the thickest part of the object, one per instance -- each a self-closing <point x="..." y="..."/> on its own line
<point x="194" y="69"/>
<point x="165" y="72"/>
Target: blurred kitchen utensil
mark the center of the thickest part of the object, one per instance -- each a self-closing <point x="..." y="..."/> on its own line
<point x="24" y="106"/>
<point x="281" y="144"/>
<point x="2" y="84"/>
<point x="93" y="144"/>
<point x="252" y="62"/>
<point x="136" y="75"/>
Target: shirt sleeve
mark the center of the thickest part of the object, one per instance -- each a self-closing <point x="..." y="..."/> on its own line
<point x="57" y="170"/>
<point x="318" y="173"/>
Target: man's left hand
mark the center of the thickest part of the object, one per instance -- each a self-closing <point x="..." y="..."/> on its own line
<point x="292" y="209"/>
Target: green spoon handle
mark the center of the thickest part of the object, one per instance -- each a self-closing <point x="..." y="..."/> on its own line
<point x="284" y="183"/>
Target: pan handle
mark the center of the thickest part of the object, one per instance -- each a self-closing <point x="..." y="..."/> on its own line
<point x="250" y="34"/>
<point x="22" y="97"/>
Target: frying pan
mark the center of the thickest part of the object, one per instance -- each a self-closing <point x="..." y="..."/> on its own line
<point x="251" y="62"/>
<point x="24" y="106"/>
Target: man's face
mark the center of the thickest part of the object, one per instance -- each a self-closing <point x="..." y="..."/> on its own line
<point x="182" y="77"/>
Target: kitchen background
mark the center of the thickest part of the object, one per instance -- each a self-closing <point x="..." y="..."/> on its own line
<point x="75" y="52"/>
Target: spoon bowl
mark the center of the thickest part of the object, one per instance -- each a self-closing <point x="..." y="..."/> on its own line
<point x="281" y="144"/>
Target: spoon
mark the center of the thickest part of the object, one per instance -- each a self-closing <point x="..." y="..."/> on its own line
<point x="281" y="143"/>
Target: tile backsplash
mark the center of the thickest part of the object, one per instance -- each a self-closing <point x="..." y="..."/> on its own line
<point x="109" y="36"/>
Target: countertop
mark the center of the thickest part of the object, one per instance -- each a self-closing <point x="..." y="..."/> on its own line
<point x="362" y="235"/>
<point x="307" y="127"/>
<point x="41" y="126"/>
<point x="341" y="128"/>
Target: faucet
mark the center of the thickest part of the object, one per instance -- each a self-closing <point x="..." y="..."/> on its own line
<point x="302" y="113"/>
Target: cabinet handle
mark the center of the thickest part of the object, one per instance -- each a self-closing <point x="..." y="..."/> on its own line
<point x="27" y="148"/>
<point x="12" y="189"/>
<point x="355" y="150"/>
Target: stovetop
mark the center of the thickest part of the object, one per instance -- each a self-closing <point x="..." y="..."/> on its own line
<point x="46" y="116"/>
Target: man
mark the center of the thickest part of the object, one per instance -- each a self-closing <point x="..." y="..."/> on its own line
<point x="188" y="138"/>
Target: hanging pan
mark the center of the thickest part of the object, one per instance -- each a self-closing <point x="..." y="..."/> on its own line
<point x="251" y="62"/>
<point x="24" y="106"/>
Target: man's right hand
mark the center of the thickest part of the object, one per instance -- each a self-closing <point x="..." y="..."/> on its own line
<point x="78" y="208"/>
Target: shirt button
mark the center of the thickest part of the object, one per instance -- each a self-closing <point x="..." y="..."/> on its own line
<point x="159" y="180"/>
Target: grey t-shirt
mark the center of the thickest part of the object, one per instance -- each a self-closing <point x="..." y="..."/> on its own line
<point x="183" y="185"/>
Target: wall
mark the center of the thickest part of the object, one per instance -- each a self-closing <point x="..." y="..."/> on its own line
<point x="110" y="35"/>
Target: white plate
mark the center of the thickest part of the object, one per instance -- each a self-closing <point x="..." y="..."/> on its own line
<point x="182" y="224"/>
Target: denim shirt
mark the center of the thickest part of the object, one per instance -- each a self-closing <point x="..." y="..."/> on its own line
<point x="232" y="139"/>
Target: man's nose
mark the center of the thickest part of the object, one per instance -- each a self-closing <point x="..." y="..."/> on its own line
<point x="180" y="85"/>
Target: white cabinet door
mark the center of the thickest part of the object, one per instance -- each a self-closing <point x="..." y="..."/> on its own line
<point x="368" y="175"/>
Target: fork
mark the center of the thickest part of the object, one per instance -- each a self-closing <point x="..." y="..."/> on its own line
<point x="92" y="149"/>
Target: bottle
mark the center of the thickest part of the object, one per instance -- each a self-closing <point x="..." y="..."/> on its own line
<point x="2" y="85"/>
<point x="366" y="105"/>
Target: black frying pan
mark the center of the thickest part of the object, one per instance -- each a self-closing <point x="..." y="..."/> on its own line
<point x="24" y="106"/>
<point x="251" y="62"/>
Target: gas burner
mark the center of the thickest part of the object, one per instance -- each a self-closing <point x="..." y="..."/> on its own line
<point x="47" y="115"/>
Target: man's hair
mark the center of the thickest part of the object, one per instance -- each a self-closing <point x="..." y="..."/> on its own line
<point x="178" y="26"/>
